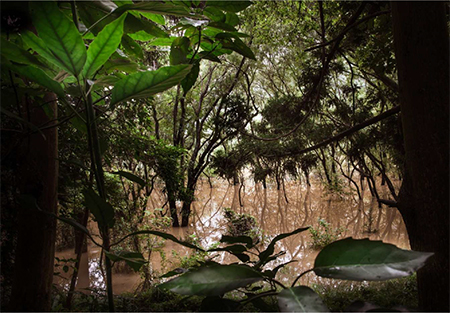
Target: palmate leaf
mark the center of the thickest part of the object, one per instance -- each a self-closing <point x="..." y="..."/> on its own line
<point x="213" y="280"/>
<point x="145" y="84"/>
<point x="300" y="299"/>
<point x="103" y="46"/>
<point x="363" y="259"/>
<point x="60" y="36"/>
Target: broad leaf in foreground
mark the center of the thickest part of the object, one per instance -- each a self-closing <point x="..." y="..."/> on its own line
<point x="60" y="36"/>
<point x="213" y="280"/>
<point x="103" y="46"/>
<point x="134" y="259"/>
<point x="145" y="84"/>
<point x="363" y="259"/>
<point x="102" y="210"/>
<point x="300" y="299"/>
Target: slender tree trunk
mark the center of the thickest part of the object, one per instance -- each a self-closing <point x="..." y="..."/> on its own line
<point x="173" y="211"/>
<point x="37" y="231"/>
<point x="422" y="53"/>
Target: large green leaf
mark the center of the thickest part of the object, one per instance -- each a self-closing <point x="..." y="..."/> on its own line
<point x="213" y="280"/>
<point x="36" y="75"/>
<point x="363" y="259"/>
<point x="60" y="36"/>
<point x="134" y="259"/>
<point x="102" y="210"/>
<point x="264" y="256"/>
<point x="191" y="78"/>
<point x="103" y="46"/>
<point x="238" y="46"/>
<point x="300" y="299"/>
<point x="229" y="6"/>
<point x="145" y="84"/>
<point x="179" y="50"/>
<point x="156" y="8"/>
<point x="134" y="25"/>
<point x="13" y="52"/>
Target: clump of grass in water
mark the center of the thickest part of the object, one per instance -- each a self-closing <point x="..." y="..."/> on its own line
<point x="242" y="225"/>
<point x="324" y="234"/>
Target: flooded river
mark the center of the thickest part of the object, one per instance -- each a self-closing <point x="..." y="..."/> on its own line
<point x="276" y="212"/>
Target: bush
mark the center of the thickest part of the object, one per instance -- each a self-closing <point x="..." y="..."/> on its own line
<point x="324" y="235"/>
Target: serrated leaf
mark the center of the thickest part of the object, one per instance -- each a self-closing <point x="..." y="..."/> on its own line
<point x="264" y="256"/>
<point x="363" y="259"/>
<point x="229" y="6"/>
<point x="213" y="280"/>
<point x="179" y="50"/>
<point x="60" y="36"/>
<point x="131" y="177"/>
<point x="300" y="299"/>
<point x="102" y="210"/>
<point x="103" y="46"/>
<point x="145" y="84"/>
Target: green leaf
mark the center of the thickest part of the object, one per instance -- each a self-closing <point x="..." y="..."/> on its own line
<point x="179" y="50"/>
<point x="229" y="6"/>
<point x="103" y="46"/>
<point x="156" y="8"/>
<point x="238" y="239"/>
<point x="223" y="26"/>
<point x="214" y="14"/>
<point x="232" y="19"/>
<point x="13" y="52"/>
<point x="300" y="299"/>
<point x="60" y="36"/>
<point x="102" y="210"/>
<point x="38" y="76"/>
<point x="131" y="177"/>
<point x="162" y="235"/>
<point x="238" y="46"/>
<point x="157" y="18"/>
<point x="134" y="25"/>
<point x="363" y="259"/>
<point x="145" y="84"/>
<point x="213" y="280"/>
<point x="134" y="259"/>
<point x="163" y="41"/>
<point x="191" y="78"/>
<point x="263" y="256"/>
<point x="132" y="47"/>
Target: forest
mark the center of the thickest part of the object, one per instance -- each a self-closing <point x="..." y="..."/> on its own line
<point x="224" y="156"/>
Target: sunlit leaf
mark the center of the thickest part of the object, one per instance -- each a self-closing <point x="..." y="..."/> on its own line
<point x="300" y="299"/>
<point x="60" y="35"/>
<point x="103" y="46"/>
<point x="363" y="259"/>
<point x="145" y="84"/>
<point x="102" y="210"/>
<point x="213" y="280"/>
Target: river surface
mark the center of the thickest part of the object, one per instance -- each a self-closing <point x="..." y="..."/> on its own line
<point x="276" y="212"/>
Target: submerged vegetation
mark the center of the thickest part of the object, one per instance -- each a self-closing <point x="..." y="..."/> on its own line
<point x="106" y="104"/>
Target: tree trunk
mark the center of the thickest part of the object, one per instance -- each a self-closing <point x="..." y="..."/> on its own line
<point x="422" y="53"/>
<point x="185" y="212"/>
<point x="37" y="231"/>
<point x="173" y="211"/>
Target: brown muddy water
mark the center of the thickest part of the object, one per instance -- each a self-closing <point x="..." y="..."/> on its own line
<point x="276" y="212"/>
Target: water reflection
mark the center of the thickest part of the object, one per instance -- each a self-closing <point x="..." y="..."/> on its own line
<point x="276" y="210"/>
